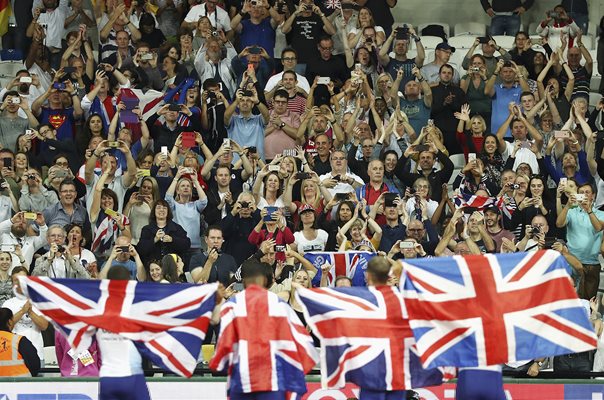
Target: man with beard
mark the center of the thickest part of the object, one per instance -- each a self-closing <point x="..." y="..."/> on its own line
<point x="14" y="231"/>
<point x="210" y="64"/>
<point x="66" y="211"/>
<point x="492" y="217"/>
<point x="12" y="125"/>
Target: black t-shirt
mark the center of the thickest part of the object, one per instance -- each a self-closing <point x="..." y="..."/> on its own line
<point x="236" y="185"/>
<point x="334" y="68"/>
<point x="305" y="35"/>
<point x="382" y="14"/>
<point x="222" y="271"/>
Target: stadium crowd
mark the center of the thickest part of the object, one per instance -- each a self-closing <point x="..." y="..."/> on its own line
<point x="200" y="135"/>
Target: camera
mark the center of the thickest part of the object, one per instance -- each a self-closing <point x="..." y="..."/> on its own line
<point x="60" y="249"/>
<point x="215" y="33"/>
<point x="535" y="230"/>
<point x="245" y="204"/>
<point x="280" y="248"/>
<point x="475" y="69"/>
<point x="553" y="14"/>
<point x="31" y="176"/>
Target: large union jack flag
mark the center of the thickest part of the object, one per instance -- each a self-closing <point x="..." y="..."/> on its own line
<point x="365" y="338"/>
<point x="351" y="264"/>
<point x="263" y="344"/>
<point x="484" y="310"/>
<point x="167" y="322"/>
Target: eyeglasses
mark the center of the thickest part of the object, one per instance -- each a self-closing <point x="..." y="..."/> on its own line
<point x="289" y="59"/>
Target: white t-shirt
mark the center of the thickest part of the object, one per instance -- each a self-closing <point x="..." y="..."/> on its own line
<point x="263" y="203"/>
<point x="316" y="244"/>
<point x="274" y="80"/>
<point x="26" y="327"/>
<point x="116" y="185"/>
<point x="219" y="18"/>
<point x="119" y="355"/>
<point x="342" y="187"/>
<point x="522" y="156"/>
<point x="5" y="208"/>
<point x="432" y="206"/>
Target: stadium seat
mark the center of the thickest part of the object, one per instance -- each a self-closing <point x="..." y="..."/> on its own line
<point x="594" y="98"/>
<point x="533" y="28"/>
<point x="430" y="42"/>
<point x="462" y="42"/>
<point x="470" y="28"/>
<point x="594" y="84"/>
<point x="446" y="27"/>
<point x="458" y="160"/>
<point x="8" y="69"/>
<point x="507" y="42"/>
<point x="588" y="42"/>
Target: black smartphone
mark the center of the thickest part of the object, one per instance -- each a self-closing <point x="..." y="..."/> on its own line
<point x="252" y="149"/>
<point x="389" y="199"/>
<point x="124" y="249"/>
<point x="255" y="50"/>
<point x="303" y="175"/>
<point x="69" y="70"/>
<point x="421" y="147"/>
<point x="341" y="196"/>
<point x="8" y="162"/>
<point x="174" y="107"/>
<point x="402" y="33"/>
<point x="484" y="39"/>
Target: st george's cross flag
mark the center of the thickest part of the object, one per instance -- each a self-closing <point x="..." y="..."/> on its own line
<point x="350" y="263"/>
<point x="262" y="344"/>
<point x="365" y="338"/>
<point x="167" y="323"/>
<point x="483" y="310"/>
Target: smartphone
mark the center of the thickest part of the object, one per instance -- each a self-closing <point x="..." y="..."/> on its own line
<point x="525" y="144"/>
<point x="164" y="150"/>
<point x="252" y="149"/>
<point x="471" y="157"/>
<point x="147" y="56"/>
<point x="145" y="172"/>
<point x="389" y="199"/>
<point x="69" y="70"/>
<point x="188" y="139"/>
<point x="483" y="39"/>
<point x="274" y="168"/>
<point x="563" y="181"/>
<point x="324" y="80"/>
<point x="8" y="162"/>
<point x="30" y="215"/>
<point x="114" y="144"/>
<point x="59" y="86"/>
<point x="402" y="33"/>
<point x="25" y="79"/>
<point x="269" y="213"/>
<point x="280" y="248"/>
<point x="174" y="107"/>
<point x="561" y="134"/>
<point x="303" y="175"/>
<point x="7" y="248"/>
<point x="421" y="147"/>
<point x="124" y="249"/>
<point x="341" y="196"/>
<point x="289" y="153"/>
<point x="357" y="67"/>
<point x="60" y="173"/>
<point x="238" y="287"/>
<point x="220" y="86"/>
<point x="580" y="197"/>
<point x="430" y="122"/>
<point x="255" y="50"/>
<point x="226" y="142"/>
<point x="407" y="245"/>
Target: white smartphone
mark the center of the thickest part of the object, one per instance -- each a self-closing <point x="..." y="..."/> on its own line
<point x="563" y="181"/>
<point x="324" y="80"/>
<point x="580" y="197"/>
<point x="25" y="79"/>
<point x="406" y="245"/>
<point x="226" y="142"/>
<point x="471" y="157"/>
<point x="164" y="150"/>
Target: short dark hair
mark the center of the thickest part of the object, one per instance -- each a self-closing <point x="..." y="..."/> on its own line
<point x="293" y="73"/>
<point x="445" y="66"/>
<point x="6" y="315"/>
<point x="213" y="228"/>
<point x="160" y="202"/>
<point x="526" y="94"/>
<point x="118" y="273"/>
<point x="18" y="269"/>
<point x="289" y="50"/>
<point x="253" y="268"/>
<point x="10" y="93"/>
<point x="66" y="182"/>
<point x="591" y="187"/>
<point x="113" y="195"/>
<point x="281" y="93"/>
<point x="379" y="267"/>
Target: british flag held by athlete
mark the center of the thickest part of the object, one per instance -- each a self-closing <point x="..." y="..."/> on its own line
<point x="167" y="322"/>
<point x="365" y="338"/>
<point x="263" y="345"/>
<point x="484" y="310"/>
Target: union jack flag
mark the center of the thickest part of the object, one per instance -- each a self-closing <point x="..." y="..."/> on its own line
<point x="483" y="310"/>
<point x="263" y="344"/>
<point x="351" y="264"/>
<point x="170" y="321"/>
<point x="481" y="203"/>
<point x="365" y="338"/>
<point x="333" y="4"/>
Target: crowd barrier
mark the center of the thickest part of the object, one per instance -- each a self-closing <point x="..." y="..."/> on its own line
<point x="169" y="388"/>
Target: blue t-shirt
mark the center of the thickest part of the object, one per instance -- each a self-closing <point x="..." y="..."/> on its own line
<point x="247" y="131"/>
<point x="501" y="100"/>
<point x="417" y="112"/>
<point x="61" y="119"/>
<point x="407" y="65"/>
<point x="262" y="35"/>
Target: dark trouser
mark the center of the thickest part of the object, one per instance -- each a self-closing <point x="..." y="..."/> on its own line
<point x="474" y="384"/>
<point x="258" y="396"/>
<point x="589" y="281"/>
<point x="119" y="388"/>
<point x="505" y="25"/>
<point x="15" y="38"/>
<point x="367" y="394"/>
<point x="573" y="362"/>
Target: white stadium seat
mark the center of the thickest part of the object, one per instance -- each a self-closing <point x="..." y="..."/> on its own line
<point x="462" y="42"/>
<point x="507" y="42"/>
<point x="594" y="98"/>
<point x="430" y="42"/>
<point x="470" y="28"/>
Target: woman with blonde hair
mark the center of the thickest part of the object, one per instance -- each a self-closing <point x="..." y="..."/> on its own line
<point x="365" y="20"/>
<point x="470" y="131"/>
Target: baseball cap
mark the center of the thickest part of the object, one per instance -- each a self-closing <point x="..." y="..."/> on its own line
<point x="494" y="209"/>
<point x="445" y="46"/>
<point x="306" y="207"/>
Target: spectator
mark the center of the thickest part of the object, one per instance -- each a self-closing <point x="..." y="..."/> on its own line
<point x="324" y="64"/>
<point x="11" y="123"/>
<point x="213" y="265"/>
<point x="212" y="63"/>
<point x="417" y="103"/>
<point x="76" y="243"/>
<point x="162" y="236"/>
<point x="523" y="53"/>
<point x="218" y="17"/>
<point x="60" y="116"/>
<point x="110" y="26"/>
<point x="51" y="17"/>
<point x="493" y="221"/>
<point x="58" y="262"/>
<point x="26" y="362"/>
<point x="432" y="72"/>
<point x="447" y="99"/>
<point x="504" y="93"/>
<point x="282" y="130"/>
<point x="505" y="15"/>
<point x="488" y="55"/>
<point x="122" y="254"/>
<point x="34" y="196"/>
<point x="236" y="227"/>
<point x="400" y="62"/>
<point x="305" y="28"/>
<point x="582" y="73"/>
<point x="259" y="29"/>
<point x="245" y="127"/>
<point x="562" y="24"/>
<point x="584" y="237"/>
<point x="340" y="179"/>
<point x="289" y="59"/>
